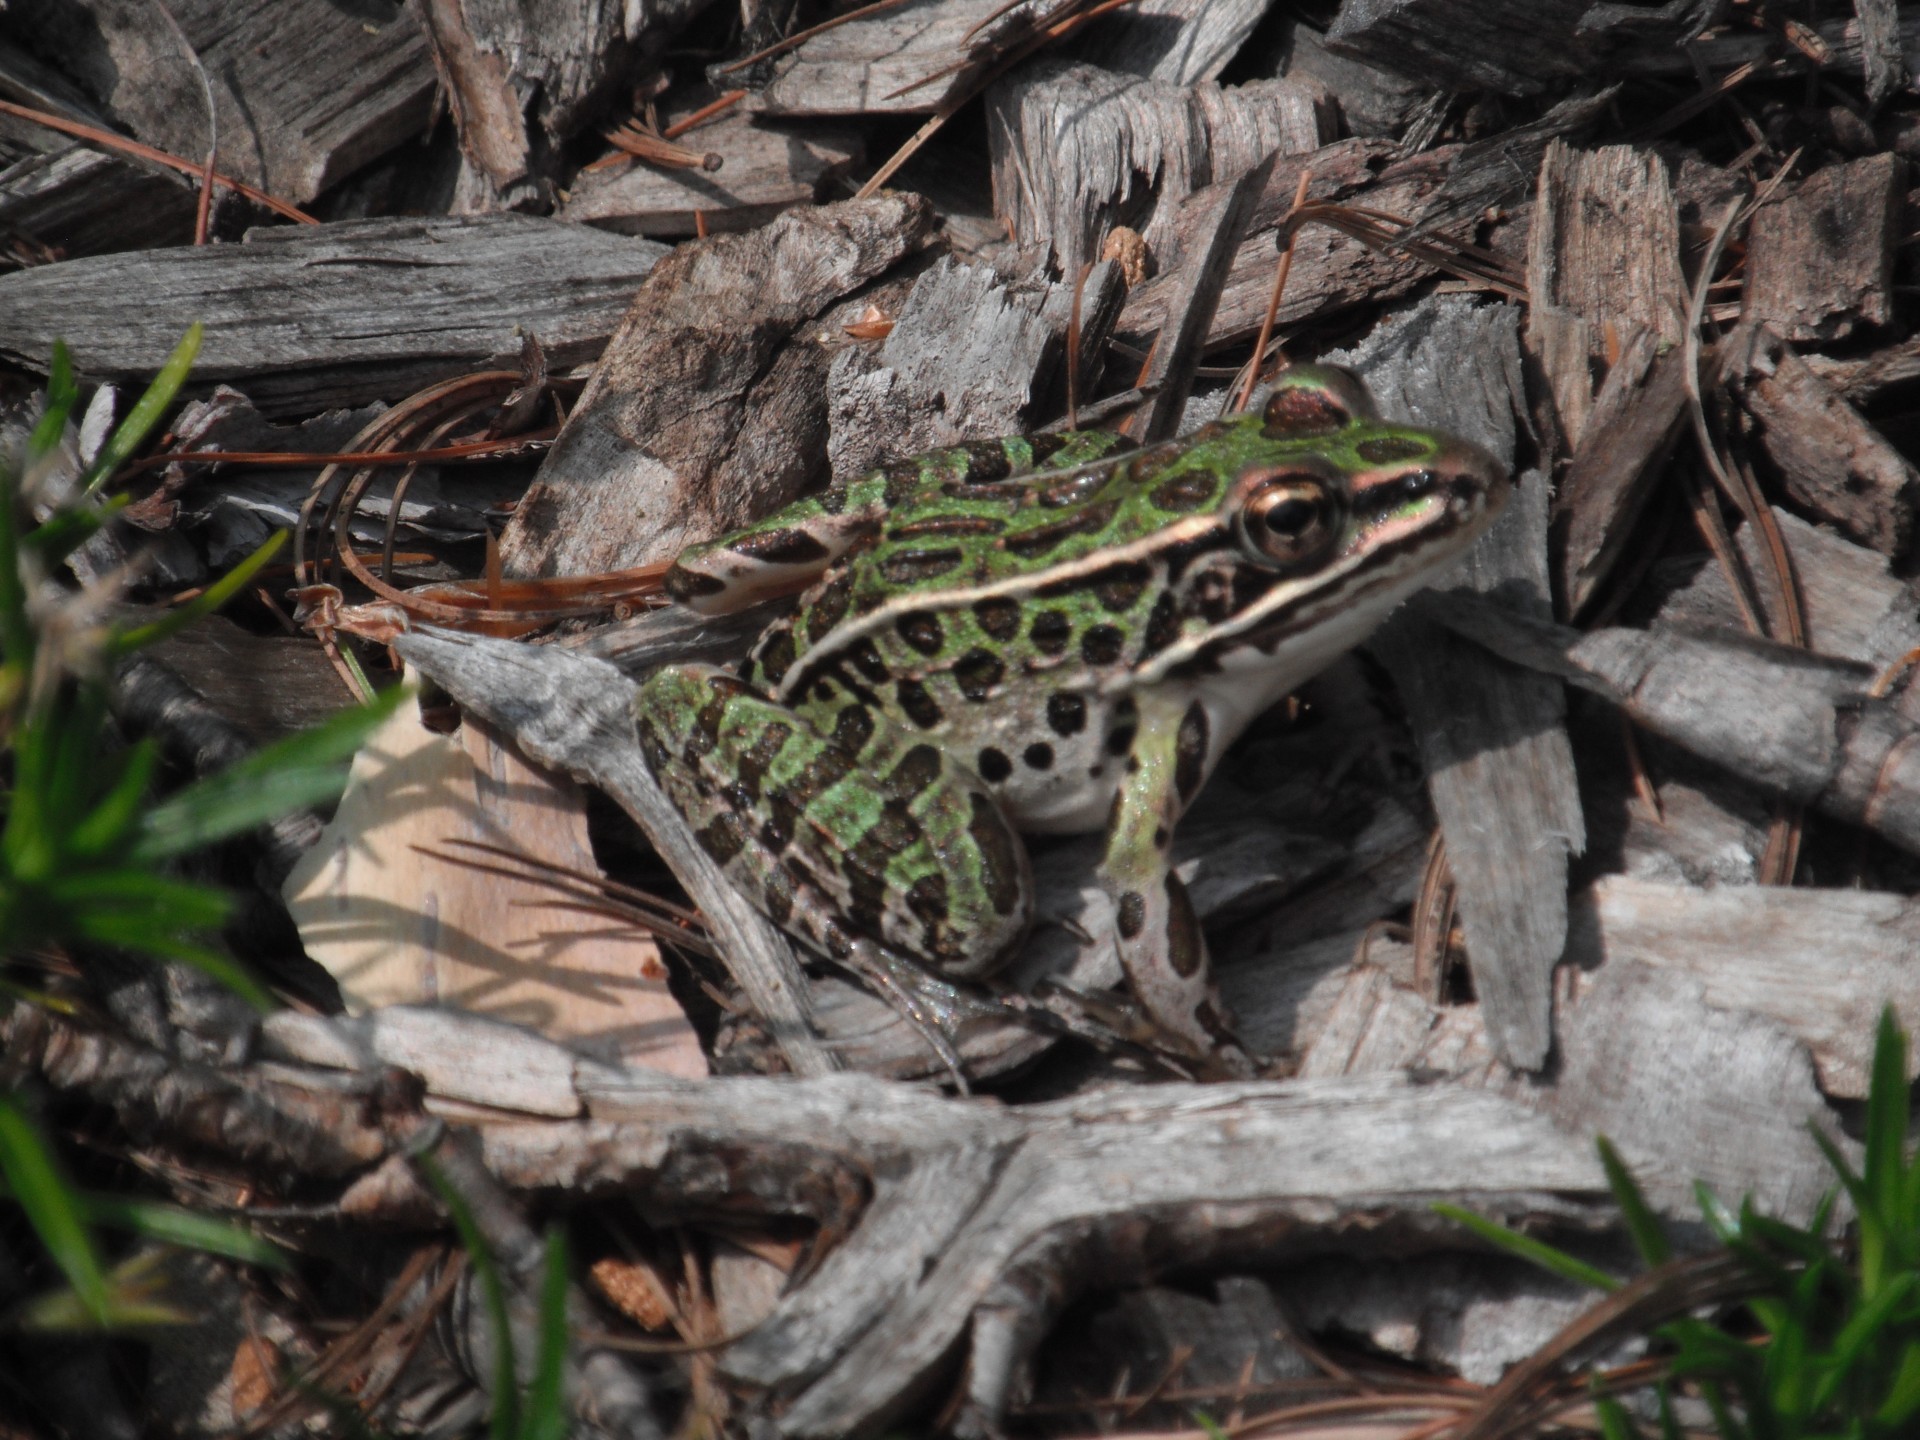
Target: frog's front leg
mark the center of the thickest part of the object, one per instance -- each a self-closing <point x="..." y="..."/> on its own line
<point x="1162" y="948"/>
<point x="838" y="823"/>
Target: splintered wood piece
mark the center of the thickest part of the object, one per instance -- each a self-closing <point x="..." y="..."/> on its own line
<point x="305" y="91"/>
<point x="309" y="317"/>
<point x="768" y="168"/>
<point x="1861" y="377"/>
<point x="573" y="714"/>
<point x="401" y="911"/>
<point x="1178" y="41"/>
<point x="1331" y="270"/>
<point x="1820" y="256"/>
<point x="69" y="199"/>
<point x="1854" y="609"/>
<point x="1833" y="461"/>
<point x="1799" y="726"/>
<point x="1191" y="305"/>
<point x="1881" y="58"/>
<point x="1604" y="256"/>
<point x="1499" y="765"/>
<point x="875" y="64"/>
<point x="1077" y="149"/>
<point x="1689" y="1091"/>
<point x="1821" y="964"/>
<point x="1626" y="438"/>
<point x="1516" y="47"/>
<point x="704" y="414"/>
<point x="971" y="356"/>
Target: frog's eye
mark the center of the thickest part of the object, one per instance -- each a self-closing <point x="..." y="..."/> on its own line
<point x="1288" y="519"/>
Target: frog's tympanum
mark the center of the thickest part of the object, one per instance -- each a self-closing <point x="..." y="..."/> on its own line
<point x="1050" y="634"/>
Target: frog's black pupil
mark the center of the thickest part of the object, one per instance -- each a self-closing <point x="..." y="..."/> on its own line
<point x="1291" y="518"/>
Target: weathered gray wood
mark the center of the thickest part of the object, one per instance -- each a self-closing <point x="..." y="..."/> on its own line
<point x="1375" y="102"/>
<point x="1178" y="41"/>
<point x="305" y="318"/>
<point x="703" y="415"/>
<point x="1690" y="1092"/>
<point x="305" y="91"/>
<point x="1331" y="271"/>
<point x="572" y="713"/>
<point x="1627" y="435"/>
<point x="1831" y="460"/>
<point x="1852" y="607"/>
<point x="1499" y="765"/>
<point x="1169" y="374"/>
<point x="856" y="68"/>
<point x="1077" y="149"/>
<point x="1603" y="262"/>
<point x="1821" y="964"/>
<point x="1800" y="726"/>
<point x="1880" y="58"/>
<point x="768" y="168"/>
<point x="66" y="199"/>
<point x="1498" y="170"/>
<point x="1820" y="256"/>
<point x="1517" y="47"/>
<point x="971" y="356"/>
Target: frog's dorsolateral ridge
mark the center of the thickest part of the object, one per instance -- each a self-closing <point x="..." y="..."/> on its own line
<point x="1056" y="633"/>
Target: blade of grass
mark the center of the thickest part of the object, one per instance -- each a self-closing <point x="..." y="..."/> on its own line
<point x="1527" y="1248"/>
<point x="173" y="1225"/>
<point x="299" y="770"/>
<point x="52" y="1207"/>
<point x="546" y="1414"/>
<point x="126" y="642"/>
<point x="146" y="411"/>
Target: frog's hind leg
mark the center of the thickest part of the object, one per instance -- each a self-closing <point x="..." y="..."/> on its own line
<point x="838" y="823"/>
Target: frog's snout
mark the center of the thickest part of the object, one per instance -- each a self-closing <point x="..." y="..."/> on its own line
<point x="1478" y="484"/>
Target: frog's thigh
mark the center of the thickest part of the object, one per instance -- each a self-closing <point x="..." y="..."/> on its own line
<point x="1162" y="948"/>
<point x="838" y="822"/>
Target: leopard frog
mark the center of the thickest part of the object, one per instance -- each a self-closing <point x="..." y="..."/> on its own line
<point x="1056" y="633"/>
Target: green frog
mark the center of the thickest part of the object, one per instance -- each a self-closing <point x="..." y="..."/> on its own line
<point x="1057" y="633"/>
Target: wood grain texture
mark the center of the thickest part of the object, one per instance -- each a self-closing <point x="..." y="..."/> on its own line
<point x="1831" y="460"/>
<point x="769" y="167"/>
<point x="1178" y="41"/>
<point x="69" y="199"/>
<point x="1820" y="964"/>
<point x="703" y="416"/>
<point x="971" y="356"/>
<point x="1603" y="256"/>
<point x="305" y="318"/>
<point x="874" y="65"/>
<point x="305" y="91"/>
<point x="1516" y="47"/>
<point x="1077" y="149"/>
<point x="1331" y="271"/>
<point x="1499" y="766"/>
<point x="1820" y="256"/>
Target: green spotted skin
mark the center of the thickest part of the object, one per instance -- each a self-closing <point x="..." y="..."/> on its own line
<point x="1041" y="634"/>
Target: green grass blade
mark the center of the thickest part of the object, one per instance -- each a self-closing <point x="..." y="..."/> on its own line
<point x="300" y="770"/>
<point x="173" y="1225"/>
<point x="1648" y="1236"/>
<point x="126" y="642"/>
<point x="1548" y="1258"/>
<point x="546" y="1412"/>
<point x="146" y="411"/>
<point x="506" y="1399"/>
<point x="53" y="1208"/>
<point x="113" y="821"/>
<point x="62" y="394"/>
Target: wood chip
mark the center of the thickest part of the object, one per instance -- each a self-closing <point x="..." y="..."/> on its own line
<point x="1077" y="149"/>
<point x="768" y="168"/>
<point x="1603" y="265"/>
<point x="1821" y="964"/>
<point x="1820" y="256"/>
<point x="305" y="318"/>
<point x="1499" y="766"/>
<point x="1831" y="460"/>
<point x="1178" y="41"/>
<point x="62" y="198"/>
<point x="306" y="91"/>
<point x="703" y="416"/>
<point x="1516" y="47"/>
